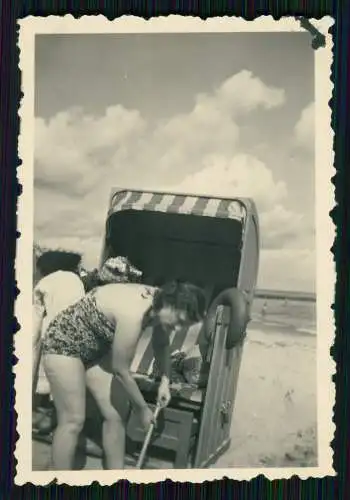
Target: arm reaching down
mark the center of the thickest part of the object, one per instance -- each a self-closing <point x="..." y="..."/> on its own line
<point x="161" y="349"/>
<point x="123" y="351"/>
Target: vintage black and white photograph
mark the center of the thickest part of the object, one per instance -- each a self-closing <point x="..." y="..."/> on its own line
<point x="174" y="264"/>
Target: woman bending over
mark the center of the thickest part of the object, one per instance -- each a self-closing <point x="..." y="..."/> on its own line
<point x="111" y="319"/>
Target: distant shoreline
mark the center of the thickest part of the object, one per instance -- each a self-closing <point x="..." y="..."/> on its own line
<point x="288" y="295"/>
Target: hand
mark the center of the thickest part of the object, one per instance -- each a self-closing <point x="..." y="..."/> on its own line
<point x="164" y="395"/>
<point x="146" y="417"/>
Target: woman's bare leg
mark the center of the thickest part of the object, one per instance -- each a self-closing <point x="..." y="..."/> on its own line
<point x="67" y="380"/>
<point x="114" y="407"/>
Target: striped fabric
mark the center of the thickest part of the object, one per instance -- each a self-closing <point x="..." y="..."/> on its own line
<point x="142" y="364"/>
<point x="181" y="204"/>
<point x="143" y="359"/>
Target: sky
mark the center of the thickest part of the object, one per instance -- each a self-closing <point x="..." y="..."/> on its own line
<point x="213" y="113"/>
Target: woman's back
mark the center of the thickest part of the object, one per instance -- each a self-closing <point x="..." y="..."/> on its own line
<point x="126" y="299"/>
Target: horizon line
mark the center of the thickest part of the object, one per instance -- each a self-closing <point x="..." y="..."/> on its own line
<point x="285" y="294"/>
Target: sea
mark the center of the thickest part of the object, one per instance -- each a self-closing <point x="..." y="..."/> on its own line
<point x="290" y="315"/>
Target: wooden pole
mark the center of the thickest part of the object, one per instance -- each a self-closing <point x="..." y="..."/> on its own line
<point x="146" y="442"/>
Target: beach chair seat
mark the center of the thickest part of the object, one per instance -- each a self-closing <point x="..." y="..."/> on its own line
<point x="182" y="341"/>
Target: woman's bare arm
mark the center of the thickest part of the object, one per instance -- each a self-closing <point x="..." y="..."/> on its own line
<point x="161" y="350"/>
<point x="123" y="351"/>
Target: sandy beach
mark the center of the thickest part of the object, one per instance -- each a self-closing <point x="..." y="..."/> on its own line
<point x="274" y="420"/>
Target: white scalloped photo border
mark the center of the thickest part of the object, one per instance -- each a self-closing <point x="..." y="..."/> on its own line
<point x="325" y="233"/>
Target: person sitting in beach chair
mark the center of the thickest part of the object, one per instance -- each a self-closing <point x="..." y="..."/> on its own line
<point x="110" y="319"/>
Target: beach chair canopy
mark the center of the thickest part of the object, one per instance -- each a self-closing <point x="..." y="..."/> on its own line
<point x="175" y="236"/>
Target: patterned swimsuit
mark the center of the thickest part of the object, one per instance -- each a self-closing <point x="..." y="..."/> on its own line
<point x="80" y="331"/>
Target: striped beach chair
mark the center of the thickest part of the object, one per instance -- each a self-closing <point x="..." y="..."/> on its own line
<point x="144" y="369"/>
<point x="211" y="242"/>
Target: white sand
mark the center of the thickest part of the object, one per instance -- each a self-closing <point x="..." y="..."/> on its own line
<point x="274" y="422"/>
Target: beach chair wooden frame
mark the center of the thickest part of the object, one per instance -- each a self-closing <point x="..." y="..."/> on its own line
<point x="203" y="433"/>
<point x="196" y="427"/>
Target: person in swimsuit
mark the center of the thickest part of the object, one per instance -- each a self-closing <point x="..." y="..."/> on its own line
<point x="110" y="319"/>
<point x="58" y="287"/>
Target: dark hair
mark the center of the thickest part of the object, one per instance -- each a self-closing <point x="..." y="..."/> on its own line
<point x="90" y="280"/>
<point x="182" y="296"/>
<point x="57" y="260"/>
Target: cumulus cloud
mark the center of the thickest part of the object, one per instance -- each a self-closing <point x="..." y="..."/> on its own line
<point x="240" y="175"/>
<point x="245" y="176"/>
<point x="80" y="157"/>
<point x="73" y="150"/>
<point x="212" y="126"/>
<point x="244" y="92"/>
<point x="304" y="131"/>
